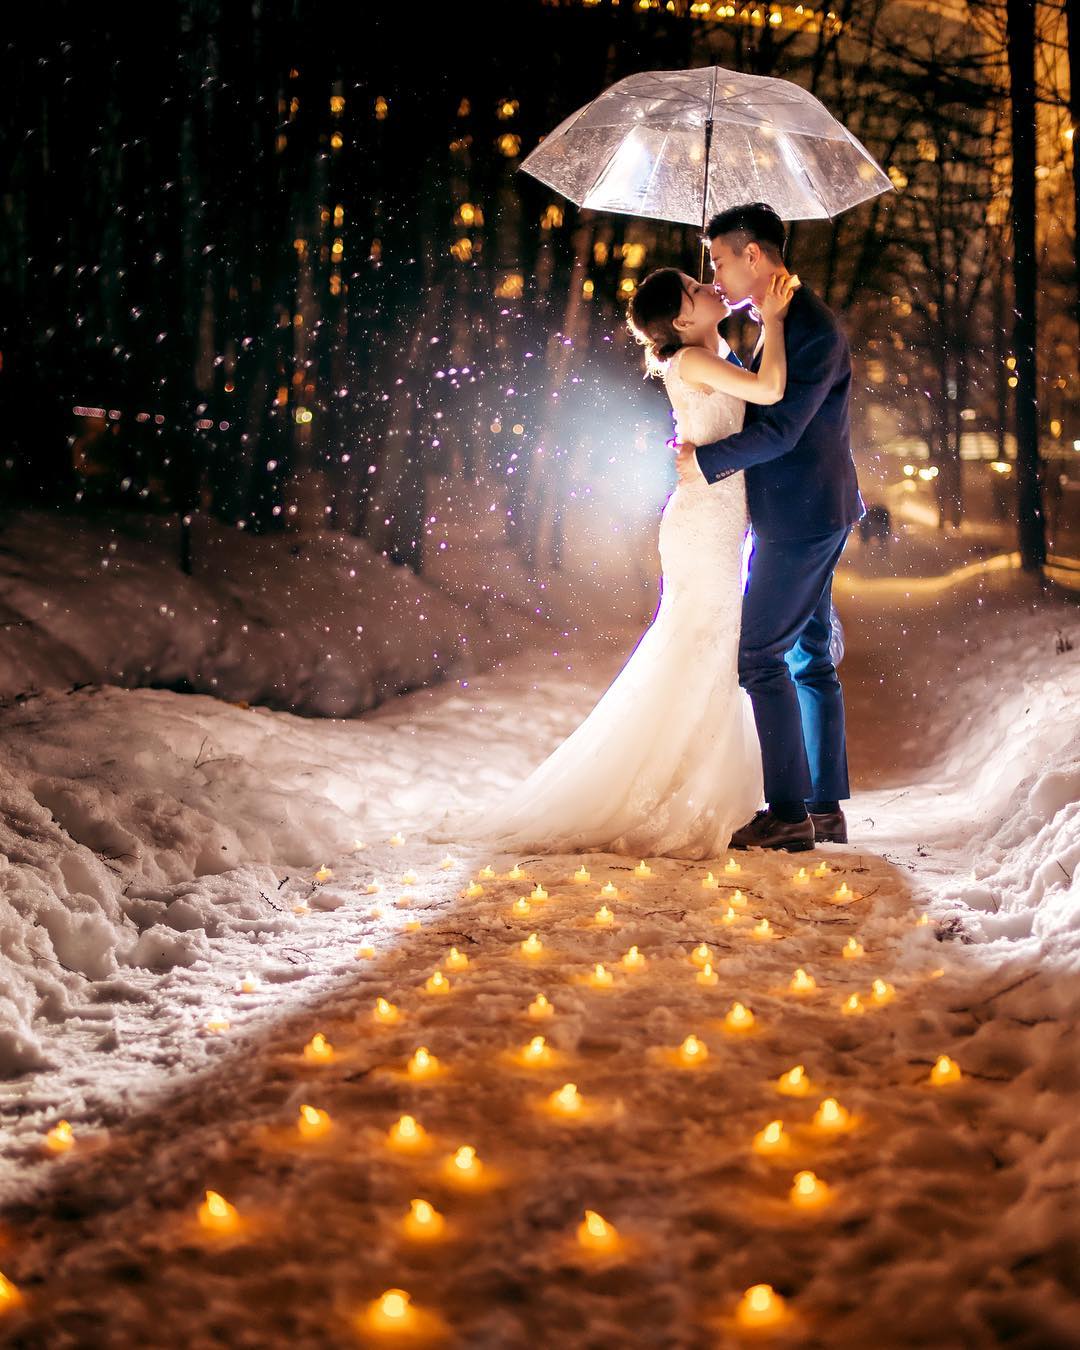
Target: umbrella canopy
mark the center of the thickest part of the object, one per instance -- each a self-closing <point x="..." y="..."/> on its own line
<point x="683" y="144"/>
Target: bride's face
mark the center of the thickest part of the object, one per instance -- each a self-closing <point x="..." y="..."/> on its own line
<point x="702" y="309"/>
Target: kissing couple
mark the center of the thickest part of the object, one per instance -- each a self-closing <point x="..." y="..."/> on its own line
<point x="731" y="697"/>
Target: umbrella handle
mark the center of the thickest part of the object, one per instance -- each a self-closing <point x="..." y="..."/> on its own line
<point x="705" y="200"/>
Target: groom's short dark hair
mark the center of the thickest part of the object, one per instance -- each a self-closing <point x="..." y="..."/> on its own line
<point x="755" y="223"/>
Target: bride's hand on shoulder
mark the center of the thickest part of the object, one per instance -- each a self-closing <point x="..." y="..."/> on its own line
<point x="782" y="287"/>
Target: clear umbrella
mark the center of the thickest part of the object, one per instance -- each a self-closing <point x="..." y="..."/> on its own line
<point x="683" y="144"/>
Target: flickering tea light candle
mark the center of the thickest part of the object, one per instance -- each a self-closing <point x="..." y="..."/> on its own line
<point x="692" y="1052"/>
<point x="643" y="870"/>
<point x="385" y="1012"/>
<point x="821" y="870"/>
<point x="802" y="982"/>
<point x="794" y="1083"/>
<point x="409" y="878"/>
<point x="604" y="917"/>
<point x="372" y="888"/>
<point x="922" y="921"/>
<point x="771" y="1140"/>
<point x="446" y="864"/>
<point x="473" y="890"/>
<point x="437" y="983"/>
<point x="516" y="873"/>
<point x="761" y="1307"/>
<point x="582" y="876"/>
<point x="486" y="873"/>
<point x="217" y="1023"/>
<point x="60" y="1138"/>
<point x="216" y="1214"/>
<point x="707" y="976"/>
<point x="521" y="908"/>
<point x="738" y="1018"/>
<point x="596" y="1234"/>
<point x="881" y="992"/>
<point x="609" y="892"/>
<point x="318" y="1050"/>
<point x="301" y="907"/>
<point x="538" y="893"/>
<point x="423" y="1222"/>
<point x="809" y="1191"/>
<point x="945" y="1071"/>
<point x="456" y="960"/>
<point x="248" y="983"/>
<point x="397" y="841"/>
<point x="831" y="1117"/>
<point x="729" y="916"/>
<point x="10" y="1298"/>
<point x="709" y="883"/>
<point x="567" y="1100"/>
<point x="633" y="960"/>
<point x="537" y="1054"/>
<point x="413" y="925"/>
<point x="701" y="954"/>
<point x="852" y="1006"/>
<point x="313" y="1123"/>
<point x="737" y="900"/>
<point x="852" y="949"/>
<point x="732" y="867"/>
<point x="600" y="977"/>
<point x="532" y="947"/>
<point x="464" y="1166"/>
<point x="540" y="1008"/>
<point x="324" y="873"/>
<point x="422" y="1063"/>
<point x="762" y="930"/>
<point x="844" y="893"/>
<point x="407" y="1135"/>
<point x="392" y="1312"/>
<point x="801" y="877"/>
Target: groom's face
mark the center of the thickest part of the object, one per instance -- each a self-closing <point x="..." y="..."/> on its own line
<point x="736" y="275"/>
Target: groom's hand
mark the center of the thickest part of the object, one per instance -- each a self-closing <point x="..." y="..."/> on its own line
<point x="686" y="465"/>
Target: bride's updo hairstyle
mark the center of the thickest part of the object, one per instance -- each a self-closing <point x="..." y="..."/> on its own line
<point x="651" y="316"/>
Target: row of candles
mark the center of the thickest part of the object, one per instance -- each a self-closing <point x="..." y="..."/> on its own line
<point x="760" y="1306"/>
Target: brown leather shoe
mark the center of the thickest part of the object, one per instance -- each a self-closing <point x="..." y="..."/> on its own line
<point x="830" y="828"/>
<point x="769" y="831"/>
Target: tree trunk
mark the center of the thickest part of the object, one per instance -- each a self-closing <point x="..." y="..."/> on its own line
<point x="1072" y="21"/>
<point x="1021" y="52"/>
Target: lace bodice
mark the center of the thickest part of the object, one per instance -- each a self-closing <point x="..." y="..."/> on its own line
<point x="701" y="416"/>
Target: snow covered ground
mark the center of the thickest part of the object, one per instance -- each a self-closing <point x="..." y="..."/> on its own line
<point x="160" y="846"/>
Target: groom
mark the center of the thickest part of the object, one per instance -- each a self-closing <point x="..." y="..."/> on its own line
<point x="804" y="499"/>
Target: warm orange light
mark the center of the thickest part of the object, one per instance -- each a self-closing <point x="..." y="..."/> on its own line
<point x="945" y="1071"/>
<point x="437" y="983"/>
<point x="538" y="893"/>
<point x="521" y="908"/>
<point x="852" y="949"/>
<point x="761" y="1307"/>
<point x="456" y="960"/>
<point x="601" y="977"/>
<point x="737" y="900"/>
<point x="739" y="1018"/>
<point x="801" y="877"/>
<point x="763" y="929"/>
<point x="386" y="1012"/>
<point x="392" y="1312"/>
<point x="407" y="1135"/>
<point x="643" y="869"/>
<point x="771" y="1139"/>
<point x="540" y="1008"/>
<point x="423" y="1222"/>
<point x="881" y="992"/>
<point x="567" y="1101"/>
<point x="396" y="840"/>
<point x="707" y="976"/>
<point x="516" y="873"/>
<point x="844" y="893"/>
<point x="216" y="1023"/>
<point x="537" y="1052"/>
<point x="802" y="983"/>
<point x="249" y="983"/>
<point x="10" y="1297"/>
<point x="324" y="873"/>
<point x="464" y="1165"/>
<point x="313" y="1123"/>
<point x="731" y="867"/>
<point x="409" y="878"/>
<point x="597" y="1234"/>
<point x="217" y="1215"/>
<point x="633" y="960"/>
<point x="809" y="1191"/>
<point x="609" y="891"/>
<point x="532" y="946"/>
<point x="473" y="890"/>
<point x="604" y="917"/>
<point x="830" y="1115"/>
<point x="422" y="1064"/>
<point x="821" y="870"/>
<point x="692" y="1051"/>
<point x="365" y="951"/>
<point x="486" y="873"/>
<point x="794" y="1083"/>
<point x="318" y="1050"/>
<point x="729" y="916"/>
<point x="582" y="875"/>
<point x="701" y="954"/>
<point x="60" y="1138"/>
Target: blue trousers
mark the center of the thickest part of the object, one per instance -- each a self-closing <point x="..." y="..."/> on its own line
<point x="786" y="667"/>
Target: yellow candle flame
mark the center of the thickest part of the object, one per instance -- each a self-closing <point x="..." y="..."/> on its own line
<point x="707" y="976"/>
<point x="473" y="890"/>
<point x="760" y="1306"/>
<point x="801" y="877"/>
<point x="729" y="916"/>
<point x="821" y="870"/>
<point x="794" y="1083"/>
<point x="643" y="869"/>
<point x="536" y="1052"/>
<point x="487" y="873"/>
<point x="516" y="873"/>
<point x="397" y="840"/>
<point x="9" y="1295"/>
<point x="540" y="1007"/>
<point x="393" y="1309"/>
<point x="701" y="954"/>
<point x="604" y="916"/>
<point x="853" y="949"/>
<point x="601" y="976"/>
<point x="802" y="983"/>
<point x="567" y="1100"/>
<point x="365" y="952"/>
<point x="532" y="946"/>
<point x="538" y="893"/>
<point x="763" y="929"/>
<point x="437" y="983"/>
<point x="465" y="1163"/>
<point x="313" y="1122"/>
<point x="407" y="1133"/>
<point x="324" y="873"/>
<point x="609" y="890"/>
<point x="521" y="907"/>
<point x="60" y="1138"/>
<point x="633" y="960"/>
<point x="446" y="864"/>
<point x="217" y="1214"/>
<point x="249" y="983"/>
<point x="409" y="879"/>
<point x="808" y="1191"/>
<point x="385" y="1011"/>
<point x="732" y="866"/>
<point x="456" y="960"/>
<point x="739" y="1018"/>
<point x="843" y="892"/>
<point x="692" y="1051"/>
<point x="709" y="883"/>
<point x="318" y="1050"/>
<point x="922" y="921"/>
<point x="582" y="875"/>
<point x="737" y="899"/>
<point x="423" y="1063"/>
<point x="945" y="1071"/>
<point x="830" y="1115"/>
<point x="853" y="1006"/>
<point x="881" y="992"/>
<point x="596" y="1233"/>
<point x="216" y="1023"/>
<point x="423" y="1220"/>
<point x="771" y="1139"/>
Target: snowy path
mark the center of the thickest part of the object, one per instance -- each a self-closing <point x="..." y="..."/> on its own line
<point x="952" y="1217"/>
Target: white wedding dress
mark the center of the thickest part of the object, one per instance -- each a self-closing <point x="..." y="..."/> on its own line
<point x="668" y="762"/>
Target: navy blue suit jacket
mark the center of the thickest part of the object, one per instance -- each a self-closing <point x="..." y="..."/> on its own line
<point x="800" y="477"/>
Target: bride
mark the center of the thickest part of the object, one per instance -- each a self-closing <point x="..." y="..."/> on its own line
<point x="668" y="763"/>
